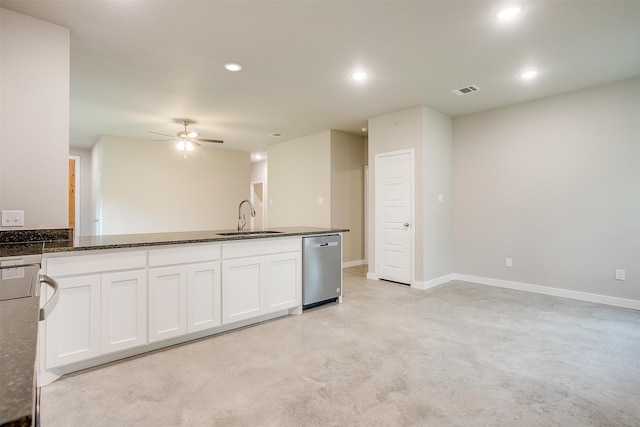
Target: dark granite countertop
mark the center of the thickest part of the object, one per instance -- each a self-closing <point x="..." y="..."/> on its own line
<point x="18" y="342"/>
<point x="19" y="313"/>
<point x="119" y="241"/>
<point x="23" y="243"/>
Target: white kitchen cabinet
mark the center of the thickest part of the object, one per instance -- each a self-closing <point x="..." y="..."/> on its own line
<point x="283" y="273"/>
<point x="267" y="279"/>
<point x="242" y="288"/>
<point x="73" y="328"/>
<point x="123" y="320"/>
<point x="167" y="302"/>
<point x="203" y="296"/>
<point x="184" y="290"/>
<point x="100" y="309"/>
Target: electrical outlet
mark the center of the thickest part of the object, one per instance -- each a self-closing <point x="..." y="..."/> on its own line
<point x="508" y="262"/>
<point x="13" y="218"/>
<point x="621" y="274"/>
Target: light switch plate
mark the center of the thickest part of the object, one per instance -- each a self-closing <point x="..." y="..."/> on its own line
<point x="621" y="274"/>
<point x="12" y="218"/>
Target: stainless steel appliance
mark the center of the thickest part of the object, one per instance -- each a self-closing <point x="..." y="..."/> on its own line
<point x="321" y="269"/>
<point x="20" y="313"/>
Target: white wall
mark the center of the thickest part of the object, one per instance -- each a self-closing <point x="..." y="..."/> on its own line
<point x="437" y="175"/>
<point x="259" y="171"/>
<point x="147" y="187"/>
<point x="347" y="192"/>
<point x="327" y="165"/>
<point x="34" y="109"/>
<point x="428" y="133"/>
<point x="555" y="185"/>
<point x="299" y="174"/>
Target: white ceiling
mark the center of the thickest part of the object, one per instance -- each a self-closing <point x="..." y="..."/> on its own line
<point x="140" y="65"/>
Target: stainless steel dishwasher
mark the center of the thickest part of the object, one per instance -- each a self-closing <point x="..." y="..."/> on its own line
<point x="321" y="269"/>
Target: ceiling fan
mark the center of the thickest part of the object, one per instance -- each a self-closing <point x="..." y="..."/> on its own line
<point x="187" y="141"/>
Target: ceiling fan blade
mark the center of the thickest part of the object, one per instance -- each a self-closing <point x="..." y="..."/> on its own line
<point x="219" y="141"/>
<point x="170" y="139"/>
<point x="163" y="134"/>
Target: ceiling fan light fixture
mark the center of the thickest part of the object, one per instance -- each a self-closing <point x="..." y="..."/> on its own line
<point x="192" y="134"/>
<point x="184" y="145"/>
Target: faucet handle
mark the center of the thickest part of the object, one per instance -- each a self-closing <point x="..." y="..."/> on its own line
<point x="241" y="223"/>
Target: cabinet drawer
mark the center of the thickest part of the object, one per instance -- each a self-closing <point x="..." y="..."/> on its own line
<point x="183" y="254"/>
<point x="258" y="247"/>
<point x="95" y="263"/>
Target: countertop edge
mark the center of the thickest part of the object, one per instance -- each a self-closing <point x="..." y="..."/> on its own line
<point x="211" y="238"/>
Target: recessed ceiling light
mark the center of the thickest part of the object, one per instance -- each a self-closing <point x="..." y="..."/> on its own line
<point x="509" y="12"/>
<point x="529" y="74"/>
<point x="359" y="75"/>
<point x="232" y="66"/>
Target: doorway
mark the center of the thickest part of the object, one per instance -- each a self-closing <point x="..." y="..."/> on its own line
<point x="394" y="216"/>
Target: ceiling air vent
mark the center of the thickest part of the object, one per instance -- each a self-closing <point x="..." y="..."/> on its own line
<point x="466" y="90"/>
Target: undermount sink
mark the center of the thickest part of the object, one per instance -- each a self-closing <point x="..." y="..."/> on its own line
<point x="248" y="233"/>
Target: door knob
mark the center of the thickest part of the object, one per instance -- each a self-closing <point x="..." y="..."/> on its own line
<point x="406" y="224"/>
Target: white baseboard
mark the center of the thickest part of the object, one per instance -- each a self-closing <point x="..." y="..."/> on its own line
<point x="433" y="282"/>
<point x="353" y="263"/>
<point x="527" y="287"/>
<point x="546" y="290"/>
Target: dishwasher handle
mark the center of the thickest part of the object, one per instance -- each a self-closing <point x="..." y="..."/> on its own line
<point x="323" y="245"/>
<point x="51" y="303"/>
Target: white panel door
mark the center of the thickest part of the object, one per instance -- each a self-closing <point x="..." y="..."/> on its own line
<point x="203" y="296"/>
<point x="284" y="281"/>
<point x="393" y="213"/>
<point x="73" y="327"/>
<point x="167" y="302"/>
<point x="242" y="289"/>
<point x="124" y="310"/>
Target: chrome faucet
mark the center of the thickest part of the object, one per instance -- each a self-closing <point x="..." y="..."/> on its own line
<point x="241" y="221"/>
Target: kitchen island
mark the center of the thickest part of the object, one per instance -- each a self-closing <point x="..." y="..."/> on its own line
<point x="125" y="295"/>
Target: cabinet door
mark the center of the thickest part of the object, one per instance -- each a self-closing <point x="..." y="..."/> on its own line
<point x="73" y="327"/>
<point x="242" y="289"/>
<point x="124" y="310"/>
<point x="284" y="281"/>
<point x="203" y="296"/>
<point x="167" y="302"/>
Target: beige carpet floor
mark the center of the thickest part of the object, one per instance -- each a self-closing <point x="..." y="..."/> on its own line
<point x="457" y="355"/>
